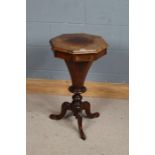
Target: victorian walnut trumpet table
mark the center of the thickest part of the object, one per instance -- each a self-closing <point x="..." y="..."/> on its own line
<point x="78" y="50"/>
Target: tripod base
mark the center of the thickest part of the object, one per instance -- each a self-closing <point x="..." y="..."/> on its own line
<point x="76" y="106"/>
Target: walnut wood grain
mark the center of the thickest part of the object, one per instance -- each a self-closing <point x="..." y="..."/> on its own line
<point x="78" y="47"/>
<point x="79" y="50"/>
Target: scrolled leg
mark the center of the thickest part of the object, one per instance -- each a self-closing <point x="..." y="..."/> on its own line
<point x="86" y="107"/>
<point x="65" y="106"/>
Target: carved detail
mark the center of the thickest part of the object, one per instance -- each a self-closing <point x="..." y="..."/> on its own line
<point x="64" y="107"/>
<point x="79" y="50"/>
<point x="76" y="106"/>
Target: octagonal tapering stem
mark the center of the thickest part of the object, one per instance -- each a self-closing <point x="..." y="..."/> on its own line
<point x="78" y="72"/>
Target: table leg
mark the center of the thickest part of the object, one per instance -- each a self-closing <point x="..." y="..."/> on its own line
<point x="86" y="107"/>
<point x="65" y="106"/>
<point x="82" y="135"/>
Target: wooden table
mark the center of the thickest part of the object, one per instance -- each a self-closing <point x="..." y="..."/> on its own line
<point x="79" y="50"/>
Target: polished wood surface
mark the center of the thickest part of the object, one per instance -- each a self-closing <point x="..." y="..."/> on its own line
<point x="80" y="57"/>
<point x="78" y="47"/>
<point x="78" y="51"/>
<point x="78" y="43"/>
<point x="78" y="72"/>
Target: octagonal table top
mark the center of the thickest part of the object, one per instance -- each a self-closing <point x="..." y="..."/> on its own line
<point x="78" y="47"/>
<point x="78" y="43"/>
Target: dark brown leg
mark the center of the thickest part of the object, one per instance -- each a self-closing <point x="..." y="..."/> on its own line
<point x="65" y="106"/>
<point x="82" y="135"/>
<point x="76" y="108"/>
<point x="86" y="107"/>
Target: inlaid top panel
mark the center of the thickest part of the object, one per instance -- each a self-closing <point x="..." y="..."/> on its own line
<point x="78" y="43"/>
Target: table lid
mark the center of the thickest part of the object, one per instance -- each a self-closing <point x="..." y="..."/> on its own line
<point x="78" y="43"/>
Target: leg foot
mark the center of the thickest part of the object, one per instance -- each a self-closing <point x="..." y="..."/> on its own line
<point x="86" y="107"/>
<point x="82" y="135"/>
<point x="65" y="106"/>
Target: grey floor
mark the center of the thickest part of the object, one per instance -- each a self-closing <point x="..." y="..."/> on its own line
<point x="106" y="135"/>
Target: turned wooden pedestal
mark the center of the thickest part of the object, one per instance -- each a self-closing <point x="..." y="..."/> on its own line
<point x="78" y="51"/>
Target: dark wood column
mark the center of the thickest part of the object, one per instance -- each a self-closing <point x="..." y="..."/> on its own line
<point x="78" y="72"/>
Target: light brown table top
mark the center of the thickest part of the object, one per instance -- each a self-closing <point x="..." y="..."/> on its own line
<point x="78" y="43"/>
<point x="78" y="47"/>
